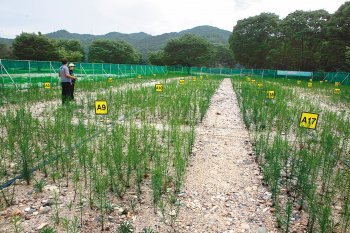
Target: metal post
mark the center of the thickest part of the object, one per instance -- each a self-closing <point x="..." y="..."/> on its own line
<point x="93" y="71"/>
<point x="30" y="77"/>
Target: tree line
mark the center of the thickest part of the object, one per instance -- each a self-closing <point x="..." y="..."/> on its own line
<point x="304" y="40"/>
<point x="188" y="50"/>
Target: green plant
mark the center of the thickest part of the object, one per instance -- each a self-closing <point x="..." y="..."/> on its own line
<point x="125" y="227"/>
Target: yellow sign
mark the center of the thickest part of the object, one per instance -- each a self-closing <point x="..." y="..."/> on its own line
<point x="308" y="120"/>
<point x="194" y="79"/>
<point x="253" y="81"/>
<point x="182" y="81"/>
<point x="159" y="87"/>
<point x="298" y="82"/>
<point x="309" y="84"/>
<point x="337" y="84"/>
<point x="47" y="85"/>
<point x="110" y="80"/>
<point x="260" y="85"/>
<point x="139" y="76"/>
<point x="101" y="107"/>
<point x="270" y="94"/>
<point x="201" y="77"/>
<point x="337" y="91"/>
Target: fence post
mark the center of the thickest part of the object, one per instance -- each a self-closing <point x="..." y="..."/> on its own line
<point x="30" y="76"/>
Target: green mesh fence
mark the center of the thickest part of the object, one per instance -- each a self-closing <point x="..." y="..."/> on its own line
<point x="22" y="74"/>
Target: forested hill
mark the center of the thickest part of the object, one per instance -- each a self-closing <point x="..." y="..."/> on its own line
<point x="145" y="42"/>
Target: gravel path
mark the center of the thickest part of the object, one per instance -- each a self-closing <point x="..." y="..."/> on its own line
<point x="223" y="190"/>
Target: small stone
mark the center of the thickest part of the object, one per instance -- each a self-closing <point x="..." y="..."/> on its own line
<point x="44" y="210"/>
<point x="214" y="209"/>
<point x="261" y="230"/>
<point x="245" y="226"/>
<point x="111" y="219"/>
<point x="41" y="226"/>
<point x="17" y="212"/>
<point x="27" y="217"/>
<point x="46" y="202"/>
<point x="35" y="213"/>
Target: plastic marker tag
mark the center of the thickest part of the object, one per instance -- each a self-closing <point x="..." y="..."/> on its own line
<point x="336" y="91"/>
<point x="110" y="80"/>
<point x="182" y="81"/>
<point x="47" y="85"/>
<point x="337" y="84"/>
<point x="309" y="84"/>
<point x="298" y="82"/>
<point x="101" y="107"/>
<point x="194" y="79"/>
<point x="159" y="87"/>
<point x="139" y="76"/>
<point x="270" y="94"/>
<point x="308" y="120"/>
<point x="260" y="85"/>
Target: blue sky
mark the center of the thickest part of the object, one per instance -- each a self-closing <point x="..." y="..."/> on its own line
<point x="151" y="16"/>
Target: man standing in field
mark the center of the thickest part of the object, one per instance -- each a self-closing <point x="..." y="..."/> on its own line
<point x="66" y="79"/>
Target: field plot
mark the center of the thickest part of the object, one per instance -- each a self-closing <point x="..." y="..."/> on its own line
<point x="94" y="172"/>
<point x="307" y="170"/>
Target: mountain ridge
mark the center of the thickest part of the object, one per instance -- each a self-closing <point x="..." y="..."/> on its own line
<point x="142" y="41"/>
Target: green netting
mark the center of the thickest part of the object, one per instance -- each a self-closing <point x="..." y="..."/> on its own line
<point x="28" y="73"/>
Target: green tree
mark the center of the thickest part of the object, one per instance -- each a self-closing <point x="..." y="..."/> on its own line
<point x="253" y="38"/>
<point x="188" y="50"/>
<point x="113" y="51"/>
<point x="156" y="58"/>
<point x="303" y="35"/>
<point x="338" y="34"/>
<point x="5" y="51"/>
<point x="30" y="46"/>
<point x="223" y="56"/>
<point x="71" y="49"/>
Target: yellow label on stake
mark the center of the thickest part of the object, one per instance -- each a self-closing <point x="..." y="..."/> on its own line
<point x="47" y="85"/>
<point x="139" y="76"/>
<point x="260" y="85"/>
<point x="101" y="107"/>
<point x="182" y="81"/>
<point x="110" y="80"/>
<point x="298" y="82"/>
<point x="201" y="77"/>
<point x="336" y="91"/>
<point x="159" y="87"/>
<point x="308" y="120"/>
<point x="194" y="79"/>
<point x="309" y="84"/>
<point x="253" y="81"/>
<point x="337" y="84"/>
<point x="270" y="94"/>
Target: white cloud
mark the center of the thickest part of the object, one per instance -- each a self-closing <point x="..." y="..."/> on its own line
<point x="150" y="16"/>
